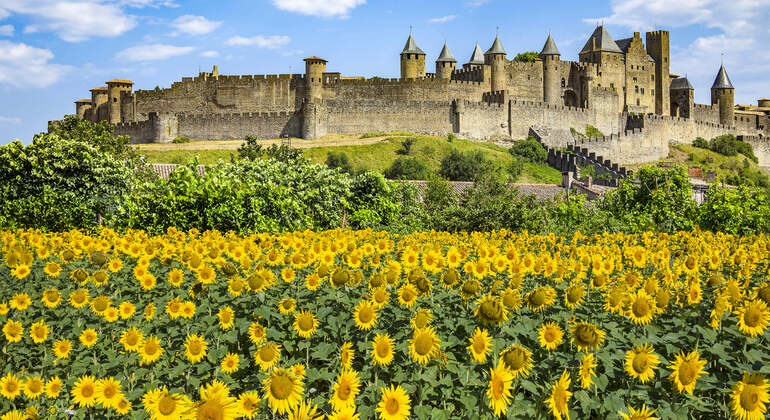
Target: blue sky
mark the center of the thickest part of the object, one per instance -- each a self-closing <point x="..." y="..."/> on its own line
<point x="52" y="52"/>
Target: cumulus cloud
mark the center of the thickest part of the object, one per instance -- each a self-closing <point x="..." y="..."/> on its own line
<point x="261" y="41"/>
<point x="209" y="54"/>
<point x="10" y="120"/>
<point x="152" y="52"/>
<point x="22" y="65"/>
<point x="323" y="8"/>
<point x="6" y="30"/>
<point x="195" y="25"/>
<point x="442" y="19"/>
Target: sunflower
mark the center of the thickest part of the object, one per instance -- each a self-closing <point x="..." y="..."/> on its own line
<point x="126" y="310"/>
<point x="382" y="349"/>
<point x="164" y="405"/>
<point x="511" y="298"/>
<point x="365" y="315"/>
<point x="150" y="350"/>
<point x="131" y="339"/>
<point x="10" y="386"/>
<point x="541" y="298"/>
<point x="62" y="348"/>
<point x="288" y="274"/>
<point x="226" y="317"/>
<point x="499" y="389"/>
<point x="13" y="331"/>
<point x="312" y="281"/>
<point x="88" y="337"/>
<point x="115" y="265"/>
<point x="480" y="345"/>
<point x="20" y="302"/>
<point x="749" y="397"/>
<point x="407" y="295"/>
<point x="346" y="355"/>
<point x="21" y="271"/>
<point x="586" y="371"/>
<point x="421" y="318"/>
<point x="176" y="277"/>
<point x="15" y="415"/>
<point x="345" y="390"/>
<point x="230" y="363"/>
<point x="560" y="396"/>
<point x="287" y="306"/>
<point x="395" y="403"/>
<point x="282" y="390"/>
<point x="267" y="355"/>
<point x="108" y="392"/>
<point x="124" y="407"/>
<point x="53" y="387"/>
<point x="305" y="324"/>
<point x="686" y="370"/>
<point x="84" y="391"/>
<point x="423" y="345"/>
<point x="641" y="414"/>
<point x="100" y="304"/>
<point x="305" y="410"/>
<point x="52" y="269"/>
<point x="550" y="335"/>
<point x="256" y="333"/>
<point x="574" y="295"/>
<point x="348" y="413"/>
<point x="641" y="363"/>
<point x="690" y="265"/>
<point x="51" y="298"/>
<point x="149" y="311"/>
<point x="249" y="402"/>
<point x="470" y="288"/>
<point x="586" y="336"/>
<point x="642" y="307"/>
<point x="188" y="309"/>
<point x="174" y="308"/>
<point x="216" y="403"/>
<point x="490" y="310"/>
<point x="517" y="359"/>
<point x="753" y="317"/>
<point x="380" y="297"/>
<point x="298" y="370"/>
<point x="79" y="298"/>
<point x="195" y="348"/>
<point x="207" y="275"/>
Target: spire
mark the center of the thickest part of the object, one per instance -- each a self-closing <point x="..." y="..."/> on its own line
<point x="477" y="57"/>
<point x="601" y="40"/>
<point x="550" y="47"/>
<point x="411" y="47"/>
<point x="496" y="48"/>
<point x="446" y="55"/>
<point x="723" y="80"/>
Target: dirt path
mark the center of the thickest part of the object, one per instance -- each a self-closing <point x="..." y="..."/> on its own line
<point x="327" y="140"/>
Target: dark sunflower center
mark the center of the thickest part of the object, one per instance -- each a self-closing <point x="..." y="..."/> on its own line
<point x="687" y="371"/>
<point x="640" y="362"/>
<point x="391" y="406"/>
<point x="305" y="323"/>
<point x="515" y="359"/>
<point x="266" y="353"/>
<point x="365" y="315"/>
<point x="423" y="344"/>
<point x="750" y="397"/>
<point x="281" y="386"/>
<point x="382" y="348"/>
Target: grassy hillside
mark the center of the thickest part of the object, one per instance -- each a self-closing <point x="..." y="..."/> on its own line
<point x="369" y="151"/>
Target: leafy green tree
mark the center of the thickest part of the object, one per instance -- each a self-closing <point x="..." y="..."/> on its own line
<point x="468" y="166"/>
<point x="339" y="160"/>
<point x="740" y="211"/>
<point x="728" y="145"/>
<point x="527" y="57"/>
<point x="530" y="150"/>
<point x="250" y="149"/>
<point x="406" y="146"/>
<point x="701" y="143"/>
<point x="407" y="168"/>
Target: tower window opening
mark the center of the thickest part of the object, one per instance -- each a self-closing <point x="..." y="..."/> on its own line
<point x="563" y="82"/>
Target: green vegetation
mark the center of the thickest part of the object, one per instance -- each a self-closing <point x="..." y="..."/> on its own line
<point x="374" y="134"/>
<point x="180" y="157"/>
<point x="591" y="132"/>
<point x="527" y="56"/>
<point x="727" y="145"/>
<point x="407" y="168"/>
<point x="530" y="150"/>
<point x="339" y="160"/>
<point x="179" y="140"/>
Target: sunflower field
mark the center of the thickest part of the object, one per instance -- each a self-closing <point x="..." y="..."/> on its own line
<point x="363" y="324"/>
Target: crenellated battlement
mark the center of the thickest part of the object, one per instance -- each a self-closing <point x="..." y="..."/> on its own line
<point x="498" y="97"/>
<point x="235" y="115"/>
<point x="468" y="75"/>
<point x="705" y="107"/>
<point x="543" y="105"/>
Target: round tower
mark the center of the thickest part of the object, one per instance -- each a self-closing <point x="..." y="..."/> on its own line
<point x="99" y="104"/>
<point x="115" y="89"/>
<point x="495" y="59"/>
<point x="315" y="67"/>
<point x="81" y="107"/>
<point x="412" y="61"/>
<point x="445" y="64"/>
<point x="723" y="94"/>
<point x="551" y="80"/>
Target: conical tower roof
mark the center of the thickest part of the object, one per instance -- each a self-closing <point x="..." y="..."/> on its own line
<point x="723" y="80"/>
<point x="496" y="48"/>
<point x="604" y="42"/>
<point x="411" y="47"/>
<point x="477" y="57"/>
<point x="446" y="55"/>
<point x="550" y="47"/>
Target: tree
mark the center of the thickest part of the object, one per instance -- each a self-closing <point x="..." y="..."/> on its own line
<point x="530" y="150"/>
<point x="339" y="160"/>
<point x="468" y="166"/>
<point x="527" y="57"/>
<point x="407" y="168"/>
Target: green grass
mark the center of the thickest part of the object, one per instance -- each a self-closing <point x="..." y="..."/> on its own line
<point x="205" y="157"/>
<point x="430" y="150"/>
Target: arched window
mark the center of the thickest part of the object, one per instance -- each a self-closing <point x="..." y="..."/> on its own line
<point x="563" y="82"/>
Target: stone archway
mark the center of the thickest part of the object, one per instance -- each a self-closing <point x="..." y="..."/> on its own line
<point x="674" y="109"/>
<point x="571" y="98"/>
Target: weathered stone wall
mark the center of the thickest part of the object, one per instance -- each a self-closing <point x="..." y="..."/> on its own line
<point x="267" y="125"/>
<point x="432" y="89"/>
<point x="761" y="147"/>
<point x="525" y="80"/>
<point x="362" y="116"/>
<point x="482" y="120"/>
<point x="139" y="131"/>
<point x="628" y="147"/>
<point x="525" y="114"/>
<point x="706" y="113"/>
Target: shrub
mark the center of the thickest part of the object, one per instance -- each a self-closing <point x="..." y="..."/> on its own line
<point x="468" y="166"/>
<point x="527" y="57"/>
<point x="514" y="169"/>
<point x="530" y="150"/>
<point x="250" y="149"/>
<point x="737" y="211"/>
<point x="407" y="168"/>
<point x="339" y="160"/>
<point x="728" y="145"/>
<point x="179" y="140"/>
<point x="592" y="132"/>
<point x="451" y="137"/>
<point x="406" y="146"/>
<point x="701" y="143"/>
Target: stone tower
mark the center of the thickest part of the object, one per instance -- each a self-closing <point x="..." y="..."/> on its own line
<point x="495" y="59"/>
<point x="82" y="106"/>
<point x="682" y="98"/>
<point x="99" y="104"/>
<point x="412" y="61"/>
<point x="551" y="81"/>
<point x="657" y="48"/>
<point x="445" y="64"/>
<point x="723" y="94"/>
<point x="315" y="67"/>
<point x="114" y="89"/>
<point x="477" y="59"/>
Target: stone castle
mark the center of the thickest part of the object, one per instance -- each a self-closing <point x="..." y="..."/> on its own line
<point x="623" y="87"/>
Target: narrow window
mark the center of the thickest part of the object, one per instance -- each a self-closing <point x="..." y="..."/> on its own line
<point x="563" y="82"/>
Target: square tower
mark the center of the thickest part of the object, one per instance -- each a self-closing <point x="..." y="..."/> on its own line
<point x="658" y="49"/>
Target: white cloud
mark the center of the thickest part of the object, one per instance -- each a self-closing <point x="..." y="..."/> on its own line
<point x="195" y="25"/>
<point x="152" y="52"/>
<point x="73" y="21"/>
<point x="322" y="8"/>
<point x="270" y="42"/>
<point x="6" y="30"/>
<point x="209" y="54"/>
<point x="476" y="3"/>
<point x="149" y="3"/>
<point x="22" y="65"/>
<point x="442" y="19"/>
<point x="10" y="120"/>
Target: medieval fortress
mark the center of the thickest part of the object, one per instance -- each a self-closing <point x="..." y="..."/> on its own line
<point x="623" y="87"/>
